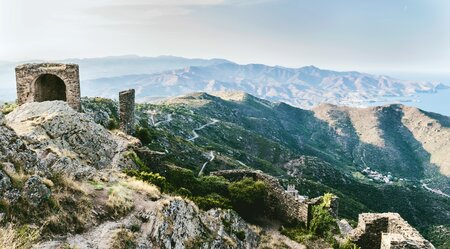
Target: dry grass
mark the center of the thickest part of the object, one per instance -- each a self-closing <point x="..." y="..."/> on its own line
<point x="18" y="238"/>
<point x="18" y="178"/>
<point x="144" y="188"/>
<point x="123" y="239"/>
<point x="120" y="200"/>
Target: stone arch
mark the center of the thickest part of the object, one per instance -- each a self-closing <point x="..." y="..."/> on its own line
<point x="49" y="87"/>
<point x="38" y="82"/>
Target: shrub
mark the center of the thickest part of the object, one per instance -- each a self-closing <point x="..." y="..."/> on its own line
<point x="123" y="239"/>
<point x="348" y="245"/>
<point x="212" y="184"/>
<point x="153" y="178"/>
<point x="144" y="135"/>
<point x="7" y="108"/>
<point x="112" y="124"/>
<point x="248" y="197"/>
<point x="212" y="201"/>
<point x="323" y="223"/>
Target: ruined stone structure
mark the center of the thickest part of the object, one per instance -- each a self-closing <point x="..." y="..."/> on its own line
<point x="292" y="191"/>
<point x="126" y="111"/>
<point x="286" y="206"/>
<point x="386" y="231"/>
<point x="48" y="81"/>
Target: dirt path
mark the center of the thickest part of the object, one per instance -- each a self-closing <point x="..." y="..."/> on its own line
<point x="194" y="131"/>
<point x="211" y="158"/>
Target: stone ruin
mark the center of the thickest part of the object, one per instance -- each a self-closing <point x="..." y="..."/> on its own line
<point x="38" y="82"/>
<point x="126" y="111"/>
<point x="286" y="206"/>
<point x="386" y="231"/>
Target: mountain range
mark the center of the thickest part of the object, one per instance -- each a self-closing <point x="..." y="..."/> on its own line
<point x="166" y="76"/>
<point x="391" y="158"/>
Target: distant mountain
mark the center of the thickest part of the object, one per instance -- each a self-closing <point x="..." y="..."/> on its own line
<point x="302" y="87"/>
<point x="166" y="76"/>
<point x="113" y="66"/>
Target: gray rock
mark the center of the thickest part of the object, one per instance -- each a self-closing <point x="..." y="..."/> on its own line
<point x="5" y="182"/>
<point x="35" y="191"/>
<point x="66" y="140"/>
<point x="12" y="196"/>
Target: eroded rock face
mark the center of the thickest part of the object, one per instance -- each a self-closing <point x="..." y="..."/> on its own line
<point x="66" y="140"/>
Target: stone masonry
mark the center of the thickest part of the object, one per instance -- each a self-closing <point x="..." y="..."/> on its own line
<point x="386" y="231"/>
<point x="126" y="111"/>
<point x="285" y="206"/>
<point x="39" y="82"/>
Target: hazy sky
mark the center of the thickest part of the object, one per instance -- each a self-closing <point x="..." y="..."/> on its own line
<point x="374" y="35"/>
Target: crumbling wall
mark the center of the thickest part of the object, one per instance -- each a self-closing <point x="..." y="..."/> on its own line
<point x="126" y="111"/>
<point x="386" y="230"/>
<point x="39" y="82"/>
<point x="285" y="206"/>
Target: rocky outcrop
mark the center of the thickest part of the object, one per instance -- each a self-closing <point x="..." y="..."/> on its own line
<point x="66" y="140"/>
<point x="170" y="222"/>
<point x="14" y="150"/>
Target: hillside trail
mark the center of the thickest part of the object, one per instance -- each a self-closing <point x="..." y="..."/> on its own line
<point x="211" y="158"/>
<point x="194" y="131"/>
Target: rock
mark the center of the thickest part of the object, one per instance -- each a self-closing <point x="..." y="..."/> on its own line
<point x="66" y="140"/>
<point x="5" y="182"/>
<point x="35" y="191"/>
<point x="170" y="222"/>
<point x="12" y="196"/>
<point x="14" y="150"/>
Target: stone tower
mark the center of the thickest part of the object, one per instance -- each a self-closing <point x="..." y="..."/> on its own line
<point x="48" y="81"/>
<point x="126" y="106"/>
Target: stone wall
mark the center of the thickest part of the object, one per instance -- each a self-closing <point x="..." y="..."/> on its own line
<point x="48" y="81"/>
<point x="126" y="111"/>
<point x="284" y="206"/>
<point x="386" y="230"/>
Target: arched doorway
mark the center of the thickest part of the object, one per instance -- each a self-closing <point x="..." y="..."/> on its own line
<point x="49" y="87"/>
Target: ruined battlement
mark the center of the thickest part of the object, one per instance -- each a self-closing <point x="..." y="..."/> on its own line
<point x="285" y="205"/>
<point x="126" y="110"/>
<point x="386" y="231"/>
<point x="37" y="82"/>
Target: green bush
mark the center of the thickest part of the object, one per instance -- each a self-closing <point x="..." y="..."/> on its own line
<point x="212" y="184"/>
<point x="323" y="223"/>
<point x="112" y="124"/>
<point x="144" y="135"/>
<point x="7" y="108"/>
<point x="348" y="245"/>
<point x="212" y="201"/>
<point x="248" y="197"/>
